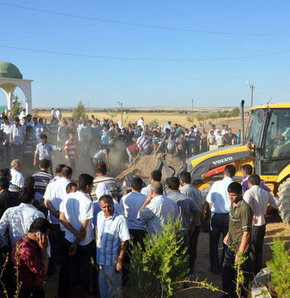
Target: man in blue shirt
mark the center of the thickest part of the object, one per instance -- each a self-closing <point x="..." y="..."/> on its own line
<point x="129" y="206"/>
<point x="112" y="237"/>
<point x="157" y="209"/>
<point x="220" y="204"/>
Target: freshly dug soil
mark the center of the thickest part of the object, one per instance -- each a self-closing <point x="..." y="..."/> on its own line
<point x="146" y="164"/>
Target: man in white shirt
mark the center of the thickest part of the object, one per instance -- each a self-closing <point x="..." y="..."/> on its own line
<point x="157" y="209"/>
<point x="220" y="204"/>
<point x="258" y="199"/>
<point x="85" y="135"/>
<point x="29" y="121"/>
<point x="53" y="113"/>
<point x="214" y="129"/>
<point x="22" y="114"/>
<point x="224" y="129"/>
<point x="76" y="214"/>
<point x="155" y="176"/>
<point x="141" y="122"/>
<point x="5" y="127"/>
<point x="129" y="206"/>
<point x="16" y="139"/>
<point x="18" y="219"/>
<point x="167" y="126"/>
<point x="17" y="178"/>
<point x="37" y="128"/>
<point x="52" y="200"/>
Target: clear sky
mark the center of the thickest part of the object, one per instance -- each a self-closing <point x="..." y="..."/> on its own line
<point x="196" y="49"/>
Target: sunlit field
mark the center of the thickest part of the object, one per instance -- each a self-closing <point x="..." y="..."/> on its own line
<point x="161" y="118"/>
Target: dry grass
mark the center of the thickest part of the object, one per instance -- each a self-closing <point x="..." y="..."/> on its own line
<point x="161" y="118"/>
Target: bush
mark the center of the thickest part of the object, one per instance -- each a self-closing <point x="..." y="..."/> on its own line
<point x="189" y="119"/>
<point x="280" y="268"/>
<point x="235" y="112"/>
<point x="200" y="117"/>
<point x="153" y="123"/>
<point x="79" y="111"/>
<point x="154" y="271"/>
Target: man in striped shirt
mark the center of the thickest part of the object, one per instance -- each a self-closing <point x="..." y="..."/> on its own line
<point x="112" y="237"/>
<point x="70" y="149"/>
<point x="115" y="188"/>
<point x="42" y="178"/>
<point x="144" y="145"/>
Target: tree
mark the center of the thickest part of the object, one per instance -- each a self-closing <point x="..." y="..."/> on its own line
<point x="16" y="107"/>
<point x="79" y="111"/>
<point x="235" y="112"/>
<point x="162" y="262"/>
<point x="153" y="123"/>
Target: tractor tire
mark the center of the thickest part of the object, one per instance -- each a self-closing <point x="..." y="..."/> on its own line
<point x="284" y="197"/>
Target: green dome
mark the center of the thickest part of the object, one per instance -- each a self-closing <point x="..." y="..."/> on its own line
<point x="9" y="70"/>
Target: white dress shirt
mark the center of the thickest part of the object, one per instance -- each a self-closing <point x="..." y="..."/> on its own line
<point x="157" y="212"/>
<point x="218" y="196"/>
<point x="17" y="178"/>
<point x="77" y="207"/>
<point x="18" y="221"/>
<point x="129" y="206"/>
<point x="259" y="199"/>
<point x="55" y="193"/>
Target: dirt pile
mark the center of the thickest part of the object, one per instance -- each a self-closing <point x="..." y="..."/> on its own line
<point x="145" y="166"/>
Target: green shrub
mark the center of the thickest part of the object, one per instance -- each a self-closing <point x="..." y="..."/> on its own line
<point x="153" y="123"/>
<point x="79" y="111"/>
<point x="155" y="271"/>
<point x="280" y="268"/>
<point x="235" y="112"/>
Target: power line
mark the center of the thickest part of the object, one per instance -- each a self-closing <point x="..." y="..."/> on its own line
<point x="144" y="59"/>
<point x="142" y="25"/>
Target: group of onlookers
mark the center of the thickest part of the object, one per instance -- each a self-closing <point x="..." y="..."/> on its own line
<point x="86" y="139"/>
<point x="52" y="224"/>
<point x="238" y="214"/>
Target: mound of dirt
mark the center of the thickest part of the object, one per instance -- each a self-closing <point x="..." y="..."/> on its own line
<point x="146" y="165"/>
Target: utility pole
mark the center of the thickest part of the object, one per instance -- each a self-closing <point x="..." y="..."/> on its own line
<point x="191" y="111"/>
<point x="252" y="92"/>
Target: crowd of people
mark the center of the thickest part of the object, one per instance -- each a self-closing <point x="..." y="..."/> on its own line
<point x="56" y="225"/>
<point x="30" y="139"/>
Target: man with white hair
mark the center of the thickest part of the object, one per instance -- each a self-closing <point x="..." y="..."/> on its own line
<point x="17" y="178"/>
<point x="157" y="209"/>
